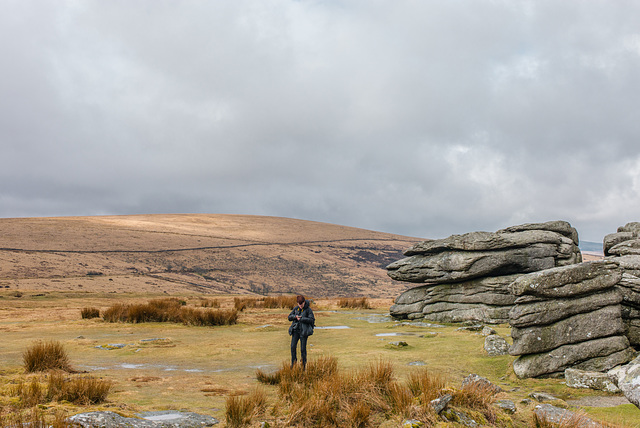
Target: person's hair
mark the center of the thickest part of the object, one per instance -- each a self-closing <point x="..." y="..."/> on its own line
<point x="300" y="299"/>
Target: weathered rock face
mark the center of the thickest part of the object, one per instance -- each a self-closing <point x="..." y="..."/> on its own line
<point x="592" y="380"/>
<point x="628" y="378"/>
<point x="568" y="317"/>
<point x="465" y="277"/>
<point x="623" y="247"/>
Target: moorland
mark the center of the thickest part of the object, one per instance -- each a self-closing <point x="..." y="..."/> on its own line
<point x="53" y="268"/>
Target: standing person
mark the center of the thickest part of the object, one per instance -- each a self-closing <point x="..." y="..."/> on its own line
<point x="302" y="323"/>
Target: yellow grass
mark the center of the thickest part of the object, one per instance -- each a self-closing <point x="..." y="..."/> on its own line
<point x="200" y="367"/>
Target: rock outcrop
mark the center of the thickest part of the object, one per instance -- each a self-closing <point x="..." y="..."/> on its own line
<point x="568" y="317"/>
<point x="466" y="277"/>
<point x="624" y="247"/>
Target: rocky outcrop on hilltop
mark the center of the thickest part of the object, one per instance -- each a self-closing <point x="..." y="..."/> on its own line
<point x="568" y="317"/>
<point x="624" y="247"/>
<point x="466" y="277"/>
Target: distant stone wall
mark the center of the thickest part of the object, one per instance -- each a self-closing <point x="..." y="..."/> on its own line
<point x="568" y="317"/>
<point x="466" y="277"/>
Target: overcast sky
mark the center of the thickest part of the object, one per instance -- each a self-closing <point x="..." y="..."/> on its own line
<point x="424" y="118"/>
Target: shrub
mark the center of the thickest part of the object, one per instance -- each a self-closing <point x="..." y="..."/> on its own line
<point x="240" y="410"/>
<point x="354" y="303"/>
<point x="42" y="356"/>
<point x="88" y="313"/>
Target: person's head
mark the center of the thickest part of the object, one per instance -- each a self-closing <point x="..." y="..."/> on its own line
<point x="300" y="300"/>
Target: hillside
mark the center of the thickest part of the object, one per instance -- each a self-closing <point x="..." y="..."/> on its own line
<point x="197" y="254"/>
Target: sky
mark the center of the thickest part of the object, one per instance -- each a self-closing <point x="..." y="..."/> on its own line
<point x="422" y="118"/>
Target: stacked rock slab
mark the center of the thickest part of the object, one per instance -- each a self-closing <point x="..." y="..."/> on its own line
<point x="624" y="247"/>
<point x="568" y="317"/>
<point x="466" y="277"/>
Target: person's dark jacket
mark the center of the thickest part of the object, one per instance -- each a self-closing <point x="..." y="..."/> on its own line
<point x="307" y="320"/>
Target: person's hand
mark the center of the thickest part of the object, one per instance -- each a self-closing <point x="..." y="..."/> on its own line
<point x="298" y="317"/>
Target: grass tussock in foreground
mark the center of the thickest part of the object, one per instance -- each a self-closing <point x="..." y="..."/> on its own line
<point x="32" y="418"/>
<point x="34" y="396"/>
<point x="43" y="356"/>
<point x="325" y="396"/>
<point x="82" y="390"/>
<point x="169" y="310"/>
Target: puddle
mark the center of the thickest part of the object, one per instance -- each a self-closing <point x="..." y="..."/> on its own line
<point x="112" y="346"/>
<point x="168" y="368"/>
<point x="395" y="334"/>
<point x="417" y="363"/>
<point x="376" y="319"/>
<point x="131" y="366"/>
<point x="419" y="324"/>
<point x="333" y="327"/>
<point x="165" y="417"/>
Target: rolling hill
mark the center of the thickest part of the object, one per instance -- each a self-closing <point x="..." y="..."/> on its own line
<point x="186" y="253"/>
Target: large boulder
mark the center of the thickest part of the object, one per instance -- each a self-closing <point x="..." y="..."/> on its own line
<point x="569" y="281"/>
<point x="595" y="355"/>
<point x="626" y="248"/>
<point x="568" y="317"/>
<point x="629" y="382"/>
<point x="527" y="312"/>
<point x="623" y="248"/>
<point x="457" y="266"/>
<point x="466" y="277"/>
<point x="575" y="378"/>
<point x="603" y="322"/>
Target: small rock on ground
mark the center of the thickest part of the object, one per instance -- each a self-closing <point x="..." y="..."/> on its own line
<point x="161" y="419"/>
<point x="507" y="406"/>
<point x="557" y="415"/>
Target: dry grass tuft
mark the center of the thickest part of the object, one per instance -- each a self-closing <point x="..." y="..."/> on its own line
<point x="242" y="303"/>
<point x="240" y="410"/>
<point x="276" y="302"/>
<point x="43" y="356"/>
<point x="89" y="313"/>
<point x="425" y="385"/>
<point x="354" y="303"/>
<point x="169" y="310"/>
<point x="83" y="390"/>
<point x="280" y="302"/>
<point x="209" y="303"/>
<point x="478" y="396"/>
<point x="33" y="417"/>
<point x="324" y="396"/>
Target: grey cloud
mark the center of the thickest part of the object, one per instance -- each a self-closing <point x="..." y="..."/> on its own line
<point x="424" y="119"/>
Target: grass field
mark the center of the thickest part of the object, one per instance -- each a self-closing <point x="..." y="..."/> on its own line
<point x="167" y="366"/>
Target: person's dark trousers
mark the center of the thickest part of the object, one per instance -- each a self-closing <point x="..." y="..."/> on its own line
<point x="303" y="348"/>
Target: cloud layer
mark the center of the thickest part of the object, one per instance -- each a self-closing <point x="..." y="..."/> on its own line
<point x="420" y="118"/>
